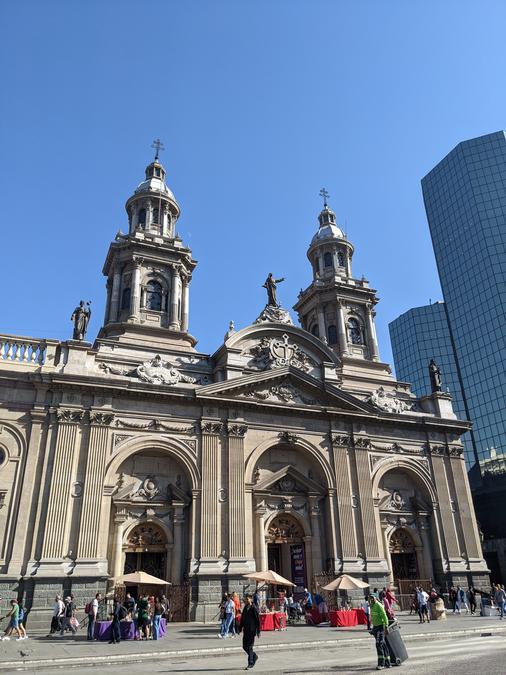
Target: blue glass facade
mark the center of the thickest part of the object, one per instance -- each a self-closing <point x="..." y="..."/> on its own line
<point x="465" y="201"/>
<point x="422" y="334"/>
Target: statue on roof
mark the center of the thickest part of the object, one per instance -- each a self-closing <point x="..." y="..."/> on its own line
<point x="81" y="318"/>
<point x="271" y="286"/>
<point x="436" y="383"/>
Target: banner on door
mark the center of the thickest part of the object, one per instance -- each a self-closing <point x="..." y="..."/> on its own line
<point x="298" y="566"/>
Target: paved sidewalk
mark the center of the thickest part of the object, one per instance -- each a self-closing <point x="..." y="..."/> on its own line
<point x="197" y="640"/>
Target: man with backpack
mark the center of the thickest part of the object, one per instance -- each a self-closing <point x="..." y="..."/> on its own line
<point x="91" y="610"/>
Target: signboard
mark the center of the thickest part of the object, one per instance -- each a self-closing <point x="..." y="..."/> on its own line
<point x="298" y="566"/>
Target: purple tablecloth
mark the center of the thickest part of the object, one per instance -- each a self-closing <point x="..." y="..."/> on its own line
<point x="103" y="630"/>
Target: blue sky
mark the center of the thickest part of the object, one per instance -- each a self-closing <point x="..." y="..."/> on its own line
<point x="259" y="104"/>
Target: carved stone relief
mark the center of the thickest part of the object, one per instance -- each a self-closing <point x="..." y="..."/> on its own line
<point x="389" y="401"/>
<point x="279" y="353"/>
<point x="154" y="425"/>
<point x="156" y="371"/>
<point x="285" y="393"/>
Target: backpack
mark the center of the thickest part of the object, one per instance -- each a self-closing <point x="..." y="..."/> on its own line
<point x="123" y="612"/>
<point x="87" y="608"/>
<point x="21" y="613"/>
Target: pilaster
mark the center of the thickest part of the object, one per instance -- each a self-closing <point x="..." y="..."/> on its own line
<point x="210" y="526"/>
<point x="88" y="546"/>
<point x="236" y="505"/>
<point x="56" y="531"/>
<point x="340" y="444"/>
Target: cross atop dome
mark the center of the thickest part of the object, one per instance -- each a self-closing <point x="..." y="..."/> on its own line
<point x="158" y="145"/>
<point x="323" y="193"/>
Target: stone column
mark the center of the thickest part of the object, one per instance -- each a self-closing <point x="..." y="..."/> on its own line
<point x="135" y="290"/>
<point x="308" y="557"/>
<point x="341" y="328"/>
<point x="165" y="211"/>
<point x="321" y="323"/>
<point x="334" y="549"/>
<point x="371" y="330"/>
<point x="316" y="549"/>
<point x="133" y="219"/>
<point x="56" y="529"/>
<point x="195" y="525"/>
<point x="149" y="215"/>
<point x="175" y="298"/>
<point x="423" y="528"/>
<point x="94" y="485"/>
<point x="369" y="529"/>
<point x="108" y="288"/>
<point x="178" y="545"/>
<point x="210" y="526"/>
<point x="446" y="507"/>
<point x="465" y="505"/>
<point x="31" y="482"/>
<point x="119" y="524"/>
<point x="348" y="263"/>
<point x="261" y="557"/>
<point x="344" y="496"/>
<point x="186" y="304"/>
<point x="114" y="304"/>
<point x="236" y="506"/>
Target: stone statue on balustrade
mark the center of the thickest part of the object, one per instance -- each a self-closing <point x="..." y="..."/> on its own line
<point x="436" y="382"/>
<point x="81" y="318"/>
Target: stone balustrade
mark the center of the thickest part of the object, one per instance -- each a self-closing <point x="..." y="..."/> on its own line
<point x="15" y="349"/>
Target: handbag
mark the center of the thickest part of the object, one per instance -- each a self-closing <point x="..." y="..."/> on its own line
<point x="74" y="622"/>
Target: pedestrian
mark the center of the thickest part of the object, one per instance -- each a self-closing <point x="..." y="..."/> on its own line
<point x="379" y="622"/>
<point x="157" y="617"/>
<point x="130" y="606"/>
<point x="388" y="607"/>
<point x="422" y="598"/>
<point x="471" y="594"/>
<point x="68" y="614"/>
<point x="91" y="610"/>
<point x="237" y="611"/>
<point x="367" y="612"/>
<point x="229" y="609"/>
<point x="307" y="600"/>
<point x="165" y="603"/>
<point x="22" y="620"/>
<point x="452" y="597"/>
<point x="117" y="615"/>
<point x="143" y="617"/>
<point x="13" y="625"/>
<point x="250" y="628"/>
<point x="461" y="600"/>
<point x="499" y="599"/>
<point x="58" y="613"/>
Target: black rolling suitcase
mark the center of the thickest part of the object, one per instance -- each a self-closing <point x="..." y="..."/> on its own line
<point x="395" y="644"/>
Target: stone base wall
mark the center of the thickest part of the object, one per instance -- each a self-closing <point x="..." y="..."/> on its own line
<point x="207" y="592"/>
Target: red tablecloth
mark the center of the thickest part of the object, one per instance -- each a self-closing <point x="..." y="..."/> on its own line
<point x="350" y="617"/>
<point x="272" y="621"/>
<point x="314" y="617"/>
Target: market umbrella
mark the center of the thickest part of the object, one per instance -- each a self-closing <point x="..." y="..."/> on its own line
<point x="345" y="583"/>
<point x="269" y="577"/>
<point x="142" y="578"/>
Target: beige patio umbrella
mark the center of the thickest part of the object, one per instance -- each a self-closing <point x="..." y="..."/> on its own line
<point x="269" y="577"/>
<point x="142" y="578"/>
<point x="345" y="583"/>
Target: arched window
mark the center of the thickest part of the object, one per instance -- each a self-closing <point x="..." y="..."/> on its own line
<point x="327" y="259"/>
<point x="142" y="217"/>
<point x="125" y="299"/>
<point x="154" y="296"/>
<point x="340" y="259"/>
<point x="355" y="332"/>
<point x="314" y="330"/>
<point x="155" y="215"/>
<point x="332" y="331"/>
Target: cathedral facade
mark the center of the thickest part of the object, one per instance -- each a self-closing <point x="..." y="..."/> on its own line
<point x="291" y="447"/>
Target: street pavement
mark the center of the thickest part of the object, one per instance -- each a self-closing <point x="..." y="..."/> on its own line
<point x="483" y="655"/>
<point x="471" y="644"/>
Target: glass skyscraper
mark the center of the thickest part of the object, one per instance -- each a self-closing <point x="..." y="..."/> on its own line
<point x="465" y="201"/>
<point x="422" y="334"/>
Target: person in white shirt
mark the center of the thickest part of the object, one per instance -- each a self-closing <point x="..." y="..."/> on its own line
<point x="422" y="598"/>
<point x="58" y="612"/>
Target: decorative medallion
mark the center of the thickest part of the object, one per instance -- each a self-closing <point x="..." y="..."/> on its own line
<point x="278" y="353"/>
<point x="287" y="437"/>
<point x="397" y="500"/>
<point x="389" y="401"/>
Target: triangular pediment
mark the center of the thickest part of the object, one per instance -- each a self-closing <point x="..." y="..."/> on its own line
<point x="288" y="481"/>
<point x="286" y="387"/>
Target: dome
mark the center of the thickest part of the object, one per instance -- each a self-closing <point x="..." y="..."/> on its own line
<point x="154" y="184"/>
<point x="327" y="232"/>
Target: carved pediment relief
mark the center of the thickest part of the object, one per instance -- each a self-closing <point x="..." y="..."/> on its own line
<point x="284" y="386"/>
<point x="288" y="481"/>
<point x="148" y="489"/>
<point x="155" y="371"/>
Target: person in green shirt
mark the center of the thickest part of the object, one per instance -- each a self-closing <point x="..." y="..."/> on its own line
<point x="379" y="622"/>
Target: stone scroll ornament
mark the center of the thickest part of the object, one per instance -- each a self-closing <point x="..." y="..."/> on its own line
<point x="388" y="401"/>
<point x="156" y="371"/>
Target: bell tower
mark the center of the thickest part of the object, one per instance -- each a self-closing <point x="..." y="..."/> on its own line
<point x="336" y="307"/>
<point x="149" y="270"/>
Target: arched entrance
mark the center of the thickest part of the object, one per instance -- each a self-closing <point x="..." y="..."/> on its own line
<point x="146" y="550"/>
<point x="286" y="553"/>
<point x="403" y="555"/>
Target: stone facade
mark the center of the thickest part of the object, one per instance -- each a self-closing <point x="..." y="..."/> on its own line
<point x="289" y="447"/>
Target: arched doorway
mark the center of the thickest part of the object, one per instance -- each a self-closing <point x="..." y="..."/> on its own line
<point x="403" y="555"/>
<point x="286" y="553"/>
<point x="146" y="550"/>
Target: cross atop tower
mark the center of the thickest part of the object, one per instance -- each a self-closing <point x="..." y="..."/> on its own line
<point x="159" y="146"/>
<point x="323" y="193"/>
